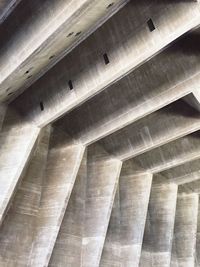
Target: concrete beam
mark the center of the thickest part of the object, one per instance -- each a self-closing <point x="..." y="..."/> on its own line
<point x="17" y="140"/>
<point x="182" y="174"/>
<point x="158" y="235"/>
<point x="40" y="33"/>
<point x="161" y="127"/>
<point x="17" y="230"/>
<point x="102" y="182"/>
<point x="91" y="75"/>
<point x="125" y="232"/>
<point x="6" y="7"/>
<point x="130" y="99"/>
<point x="185" y="231"/>
<point x="63" y="162"/>
<point x="165" y="157"/>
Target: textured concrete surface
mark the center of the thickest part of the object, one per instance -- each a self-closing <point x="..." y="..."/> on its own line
<point x="103" y="175"/>
<point x="39" y="33"/>
<point x="135" y="44"/>
<point x="63" y="162"/>
<point x="185" y="230"/>
<point x="158" y="235"/>
<point x="17" y="140"/>
<point x="20" y="219"/>
<point x="115" y="182"/>
<point x="68" y="247"/>
<point x="125" y="232"/>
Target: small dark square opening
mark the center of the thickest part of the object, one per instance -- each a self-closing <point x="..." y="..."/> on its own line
<point x="151" y="25"/>
<point x="41" y="106"/>
<point x="106" y="59"/>
<point x="70" y="84"/>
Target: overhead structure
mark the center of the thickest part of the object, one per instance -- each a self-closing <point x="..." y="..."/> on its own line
<point x="99" y="133"/>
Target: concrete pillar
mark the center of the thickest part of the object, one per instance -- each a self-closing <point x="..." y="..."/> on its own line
<point x="102" y="182"/>
<point x="125" y="232"/>
<point x="185" y="230"/>
<point x="157" y="242"/>
<point x="17" y="141"/>
<point x="68" y="246"/>
<point x="17" y="230"/>
<point x="63" y="162"/>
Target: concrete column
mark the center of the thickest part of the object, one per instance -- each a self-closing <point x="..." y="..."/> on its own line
<point x="185" y="230"/>
<point x="102" y="182"/>
<point x="17" y="230"/>
<point x="125" y="232"/>
<point x="64" y="159"/>
<point x="17" y="140"/>
<point x="68" y="246"/>
<point x="157" y="242"/>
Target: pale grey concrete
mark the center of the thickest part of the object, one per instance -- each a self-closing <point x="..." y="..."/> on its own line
<point x="185" y="230"/>
<point x="135" y="44"/>
<point x="68" y="246"/>
<point x="18" y="228"/>
<point x="36" y="36"/>
<point x="17" y="140"/>
<point x="63" y="162"/>
<point x="102" y="182"/>
<point x="158" y="235"/>
<point x="170" y="155"/>
<point x="125" y="232"/>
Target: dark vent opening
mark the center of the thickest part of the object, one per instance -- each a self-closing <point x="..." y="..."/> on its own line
<point x="151" y="25"/>
<point x="41" y="106"/>
<point x="106" y="59"/>
<point x="70" y="85"/>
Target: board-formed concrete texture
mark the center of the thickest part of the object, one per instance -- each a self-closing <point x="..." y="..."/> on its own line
<point x="99" y="133"/>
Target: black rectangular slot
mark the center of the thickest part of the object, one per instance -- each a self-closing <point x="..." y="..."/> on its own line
<point x="70" y="85"/>
<point x="151" y="25"/>
<point x="106" y="59"/>
<point x="41" y="106"/>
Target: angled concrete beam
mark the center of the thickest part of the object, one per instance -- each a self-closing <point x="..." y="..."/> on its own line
<point x="173" y="154"/>
<point x="17" y="140"/>
<point x="102" y="182"/>
<point x="182" y="174"/>
<point x="158" y="235"/>
<point x="194" y="99"/>
<point x="161" y="127"/>
<point x="6" y="7"/>
<point x="39" y="33"/>
<point x="131" y="98"/>
<point x="185" y="231"/>
<point x="17" y="230"/>
<point x="68" y="246"/>
<point x="90" y="75"/>
<point x="64" y="159"/>
<point x="125" y="232"/>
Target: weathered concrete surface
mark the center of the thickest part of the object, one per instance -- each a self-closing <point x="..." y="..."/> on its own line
<point x="158" y="235"/>
<point x="68" y="247"/>
<point x="39" y="33"/>
<point x="63" y="162"/>
<point x="185" y="231"/>
<point x="90" y="75"/>
<point x="125" y="232"/>
<point x="163" y="126"/>
<point x="17" y="230"/>
<point x="17" y="140"/>
<point x="185" y="173"/>
<point x="102" y="182"/>
<point x="173" y="154"/>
